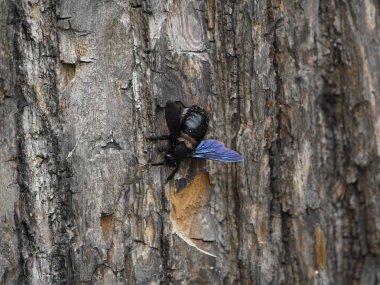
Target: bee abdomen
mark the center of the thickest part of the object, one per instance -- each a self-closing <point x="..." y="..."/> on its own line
<point x="195" y="124"/>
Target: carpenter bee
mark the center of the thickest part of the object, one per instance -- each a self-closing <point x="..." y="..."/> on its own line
<point x="187" y="128"/>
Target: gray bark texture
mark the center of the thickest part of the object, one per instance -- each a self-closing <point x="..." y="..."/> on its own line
<point x="291" y="85"/>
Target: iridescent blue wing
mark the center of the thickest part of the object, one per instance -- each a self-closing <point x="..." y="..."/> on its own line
<point x="216" y="150"/>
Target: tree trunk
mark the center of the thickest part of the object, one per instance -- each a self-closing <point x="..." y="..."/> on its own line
<point x="292" y="85"/>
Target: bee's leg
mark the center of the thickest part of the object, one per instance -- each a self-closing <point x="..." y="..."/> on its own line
<point x="173" y="173"/>
<point x="156" y="138"/>
<point x="158" y="163"/>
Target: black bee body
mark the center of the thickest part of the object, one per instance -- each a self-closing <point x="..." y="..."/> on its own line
<point x="191" y="132"/>
<point x="187" y="129"/>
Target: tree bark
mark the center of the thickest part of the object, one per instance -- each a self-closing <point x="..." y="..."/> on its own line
<point x="292" y="85"/>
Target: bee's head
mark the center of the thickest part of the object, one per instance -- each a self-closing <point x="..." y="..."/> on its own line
<point x="176" y="154"/>
<point x="170" y="159"/>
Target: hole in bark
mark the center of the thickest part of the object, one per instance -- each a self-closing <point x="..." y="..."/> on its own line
<point x="67" y="74"/>
<point x="106" y="223"/>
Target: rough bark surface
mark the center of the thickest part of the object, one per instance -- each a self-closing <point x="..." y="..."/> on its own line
<point x="292" y="85"/>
